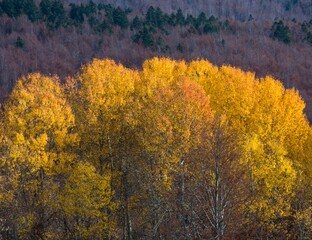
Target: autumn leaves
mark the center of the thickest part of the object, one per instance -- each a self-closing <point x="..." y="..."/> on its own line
<point x="176" y="150"/>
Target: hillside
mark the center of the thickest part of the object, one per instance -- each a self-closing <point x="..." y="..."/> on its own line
<point x="56" y="38"/>
<point x="233" y="9"/>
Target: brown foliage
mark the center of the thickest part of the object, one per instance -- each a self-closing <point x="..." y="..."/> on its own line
<point x="246" y="45"/>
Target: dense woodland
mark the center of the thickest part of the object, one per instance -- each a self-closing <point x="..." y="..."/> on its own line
<point x="176" y="150"/>
<point x="234" y="9"/>
<point x="54" y="37"/>
<point x="167" y="148"/>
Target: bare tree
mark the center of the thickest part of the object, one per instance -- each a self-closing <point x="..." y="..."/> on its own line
<point x="215" y="184"/>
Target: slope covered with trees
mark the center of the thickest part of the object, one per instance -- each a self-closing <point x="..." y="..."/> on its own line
<point x="176" y="150"/>
<point x="53" y="37"/>
<point x="234" y="9"/>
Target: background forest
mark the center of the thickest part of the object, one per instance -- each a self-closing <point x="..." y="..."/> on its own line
<point x="54" y="37"/>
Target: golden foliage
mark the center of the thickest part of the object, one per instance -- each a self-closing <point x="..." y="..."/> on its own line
<point x="90" y="151"/>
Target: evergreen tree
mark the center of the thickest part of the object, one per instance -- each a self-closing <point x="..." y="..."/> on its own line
<point x="171" y="19"/>
<point x="31" y="10"/>
<point x="160" y="19"/>
<point x="45" y="7"/>
<point x="147" y="38"/>
<point x="180" y="48"/>
<point x="201" y="18"/>
<point x="77" y="13"/>
<point x="150" y="17"/>
<point x="54" y="13"/>
<point x="309" y="37"/>
<point x="19" y="43"/>
<point x="109" y="13"/>
<point x="120" y="18"/>
<point x="105" y="25"/>
<point x="136" y="23"/>
<point x="93" y="22"/>
<point x="211" y="25"/>
<point x="90" y="9"/>
<point x="1" y="10"/>
<point x="305" y="27"/>
<point x="13" y="8"/>
<point x="180" y="19"/>
<point x="281" y="32"/>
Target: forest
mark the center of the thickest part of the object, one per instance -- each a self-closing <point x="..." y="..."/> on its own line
<point x="57" y="37"/>
<point x="234" y="9"/>
<point x="175" y="150"/>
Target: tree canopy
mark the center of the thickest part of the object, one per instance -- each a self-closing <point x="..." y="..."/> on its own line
<point x="175" y="150"/>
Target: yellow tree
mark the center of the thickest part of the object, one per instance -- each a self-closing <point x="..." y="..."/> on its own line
<point x="85" y="203"/>
<point x="231" y="90"/>
<point x="37" y="142"/>
<point x="49" y="193"/>
<point x="272" y="130"/>
<point x="303" y="200"/>
<point x="102" y="99"/>
<point x="278" y="130"/>
<point x="140" y="150"/>
<point x="174" y="114"/>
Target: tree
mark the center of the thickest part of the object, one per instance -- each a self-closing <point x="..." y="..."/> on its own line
<point x="173" y="115"/>
<point x="215" y="183"/>
<point x="13" y="8"/>
<point x="302" y="202"/>
<point x="36" y="151"/>
<point x="179" y="18"/>
<point x="309" y="37"/>
<point x="90" y="8"/>
<point x="120" y="18"/>
<point x="145" y="37"/>
<point x="94" y="23"/>
<point x="102" y="99"/>
<point x="136" y="23"/>
<point x="211" y="25"/>
<point x="19" y="43"/>
<point x="155" y="18"/>
<point x="281" y="32"/>
<point x="265" y="116"/>
<point x="105" y="26"/>
<point x="85" y="203"/>
<point x="201" y="17"/>
<point x="160" y="18"/>
<point x="150" y="17"/>
<point x="31" y="10"/>
<point x="1" y="11"/>
<point x="109" y="13"/>
<point x="173" y="151"/>
<point x="53" y="13"/>
<point x="50" y="192"/>
<point x="77" y="13"/>
<point x="180" y="48"/>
